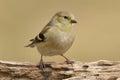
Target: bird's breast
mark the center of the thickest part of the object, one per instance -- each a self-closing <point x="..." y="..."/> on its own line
<point x="56" y="42"/>
<point x="60" y="38"/>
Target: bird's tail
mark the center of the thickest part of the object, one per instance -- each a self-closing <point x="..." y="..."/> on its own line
<point x="30" y="45"/>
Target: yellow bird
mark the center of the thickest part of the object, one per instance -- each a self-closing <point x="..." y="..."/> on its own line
<point x="56" y="37"/>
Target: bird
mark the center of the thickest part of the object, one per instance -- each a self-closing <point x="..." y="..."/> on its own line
<point x="56" y="37"/>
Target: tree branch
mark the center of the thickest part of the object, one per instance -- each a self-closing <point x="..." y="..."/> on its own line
<point x="99" y="70"/>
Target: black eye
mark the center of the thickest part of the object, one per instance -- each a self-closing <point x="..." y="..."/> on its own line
<point x="65" y="17"/>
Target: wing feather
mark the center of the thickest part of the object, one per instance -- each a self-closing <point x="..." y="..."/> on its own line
<point x="39" y="38"/>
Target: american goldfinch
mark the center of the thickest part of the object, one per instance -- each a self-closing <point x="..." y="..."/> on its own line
<point x="56" y="37"/>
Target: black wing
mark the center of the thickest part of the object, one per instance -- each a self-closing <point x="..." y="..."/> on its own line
<point x="37" y="39"/>
<point x="40" y="37"/>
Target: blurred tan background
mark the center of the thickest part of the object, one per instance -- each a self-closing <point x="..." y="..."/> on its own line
<point x="97" y="31"/>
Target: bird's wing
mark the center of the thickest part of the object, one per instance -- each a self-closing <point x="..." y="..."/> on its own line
<point x="40" y="37"/>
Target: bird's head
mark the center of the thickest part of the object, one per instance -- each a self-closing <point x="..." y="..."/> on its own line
<point x="63" y="19"/>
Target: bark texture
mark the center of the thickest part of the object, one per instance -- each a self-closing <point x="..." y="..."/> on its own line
<point x="98" y="70"/>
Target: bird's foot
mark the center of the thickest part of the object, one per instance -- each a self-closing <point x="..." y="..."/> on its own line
<point x="41" y="65"/>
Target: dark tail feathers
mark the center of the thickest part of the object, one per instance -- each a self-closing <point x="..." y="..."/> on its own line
<point x="30" y="45"/>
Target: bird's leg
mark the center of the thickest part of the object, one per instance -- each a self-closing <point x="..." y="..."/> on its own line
<point x="67" y="60"/>
<point x="42" y="65"/>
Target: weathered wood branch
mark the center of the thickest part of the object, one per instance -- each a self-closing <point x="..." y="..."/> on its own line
<point x="99" y="70"/>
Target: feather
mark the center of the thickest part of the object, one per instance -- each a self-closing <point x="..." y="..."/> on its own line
<point x="38" y="38"/>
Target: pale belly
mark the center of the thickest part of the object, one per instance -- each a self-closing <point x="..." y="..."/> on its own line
<point x="55" y="44"/>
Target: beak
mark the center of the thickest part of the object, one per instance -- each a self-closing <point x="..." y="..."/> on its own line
<point x="73" y="21"/>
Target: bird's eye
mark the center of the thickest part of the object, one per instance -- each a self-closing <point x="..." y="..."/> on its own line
<point x="65" y="17"/>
